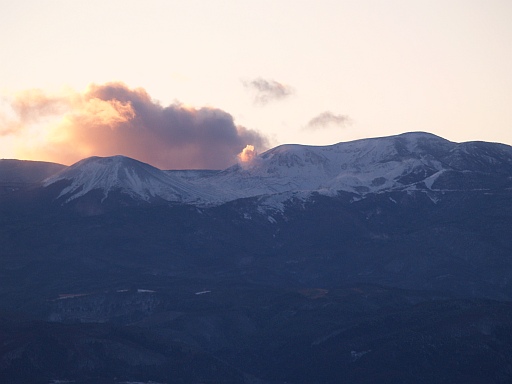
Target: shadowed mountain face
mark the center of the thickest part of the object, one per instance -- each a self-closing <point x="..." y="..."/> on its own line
<point x="21" y="171"/>
<point x="16" y="174"/>
<point x="377" y="261"/>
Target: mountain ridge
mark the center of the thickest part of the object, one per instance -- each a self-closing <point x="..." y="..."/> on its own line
<point x="409" y="161"/>
<point x="415" y="160"/>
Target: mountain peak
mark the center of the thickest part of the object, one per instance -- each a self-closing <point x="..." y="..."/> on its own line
<point x="117" y="173"/>
<point x="414" y="160"/>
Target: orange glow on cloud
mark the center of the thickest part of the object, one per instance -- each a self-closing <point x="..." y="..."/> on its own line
<point x="113" y="119"/>
<point x="110" y="112"/>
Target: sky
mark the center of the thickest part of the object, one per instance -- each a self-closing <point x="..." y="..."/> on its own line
<point x="190" y="84"/>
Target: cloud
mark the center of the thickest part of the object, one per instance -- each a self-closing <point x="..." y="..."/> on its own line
<point x="112" y="119"/>
<point x="328" y="119"/>
<point x="33" y="104"/>
<point x="248" y="158"/>
<point x="247" y="154"/>
<point x="27" y="107"/>
<point x="268" y="90"/>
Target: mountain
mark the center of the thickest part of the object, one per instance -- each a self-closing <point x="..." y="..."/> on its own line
<point x="373" y="261"/>
<point x="24" y="171"/>
<point x="138" y="180"/>
<point x="408" y="161"/>
<point x="412" y="161"/>
<point x="16" y="174"/>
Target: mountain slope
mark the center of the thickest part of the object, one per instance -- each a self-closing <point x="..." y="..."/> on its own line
<point x="370" y="165"/>
<point x="25" y="171"/>
<point x="21" y="174"/>
<point x="122" y="174"/>
<point x="404" y="162"/>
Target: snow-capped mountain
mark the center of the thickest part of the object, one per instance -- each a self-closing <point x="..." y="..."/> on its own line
<point x="360" y="166"/>
<point x="409" y="161"/>
<point x="412" y="160"/>
<point x="138" y="180"/>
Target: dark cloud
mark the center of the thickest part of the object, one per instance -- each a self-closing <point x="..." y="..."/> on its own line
<point x="327" y="119"/>
<point x="113" y="119"/>
<point x="268" y="90"/>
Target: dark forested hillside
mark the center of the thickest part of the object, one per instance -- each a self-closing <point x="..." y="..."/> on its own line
<point x="410" y="284"/>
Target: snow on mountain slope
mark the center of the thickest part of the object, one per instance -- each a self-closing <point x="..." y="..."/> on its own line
<point x="368" y="165"/>
<point x="118" y="173"/>
<point x="408" y="161"/>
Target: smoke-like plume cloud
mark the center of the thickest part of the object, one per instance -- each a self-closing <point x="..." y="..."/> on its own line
<point x="328" y="119"/>
<point x="268" y="90"/>
<point x="247" y="154"/>
<point x="112" y="119"/>
<point x="248" y="157"/>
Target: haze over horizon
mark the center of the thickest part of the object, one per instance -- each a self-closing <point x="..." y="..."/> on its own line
<point x="190" y="85"/>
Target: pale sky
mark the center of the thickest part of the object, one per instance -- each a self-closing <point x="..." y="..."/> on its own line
<point x="293" y="71"/>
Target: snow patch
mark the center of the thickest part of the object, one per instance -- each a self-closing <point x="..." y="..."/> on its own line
<point x="429" y="181"/>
